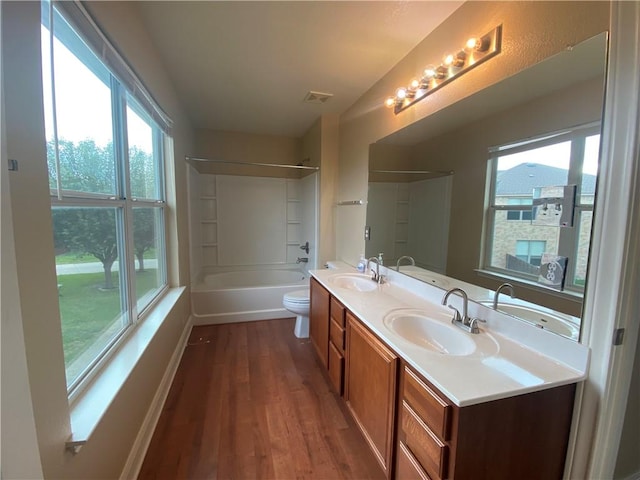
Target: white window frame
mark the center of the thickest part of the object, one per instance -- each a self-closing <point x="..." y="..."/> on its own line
<point x="123" y="203"/>
<point x="568" y="239"/>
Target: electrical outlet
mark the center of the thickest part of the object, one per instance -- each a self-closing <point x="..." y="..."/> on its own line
<point x="367" y="232"/>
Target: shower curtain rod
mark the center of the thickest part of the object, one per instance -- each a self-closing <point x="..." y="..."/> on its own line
<point x="413" y="171"/>
<point x="254" y="164"/>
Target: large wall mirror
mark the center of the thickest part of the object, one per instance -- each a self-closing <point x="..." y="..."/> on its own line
<point x="455" y="191"/>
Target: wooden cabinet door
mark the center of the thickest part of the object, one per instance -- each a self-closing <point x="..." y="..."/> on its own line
<point x="336" y="368"/>
<point x="319" y="320"/>
<point x="370" y="389"/>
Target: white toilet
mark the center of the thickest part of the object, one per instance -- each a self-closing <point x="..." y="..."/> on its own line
<point x="298" y="302"/>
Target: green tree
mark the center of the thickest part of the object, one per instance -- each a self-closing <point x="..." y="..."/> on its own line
<point x="88" y="230"/>
<point x="142" y="176"/>
<point x="143" y="233"/>
<point x="88" y="168"/>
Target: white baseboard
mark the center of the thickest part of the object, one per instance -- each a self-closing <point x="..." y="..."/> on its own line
<point x="138" y="451"/>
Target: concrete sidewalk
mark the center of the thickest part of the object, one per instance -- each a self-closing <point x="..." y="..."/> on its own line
<point x="96" y="267"/>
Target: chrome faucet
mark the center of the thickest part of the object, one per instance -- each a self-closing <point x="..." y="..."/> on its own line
<point x="404" y="257"/>
<point x="504" y="286"/>
<point x="375" y="276"/>
<point x="462" y="320"/>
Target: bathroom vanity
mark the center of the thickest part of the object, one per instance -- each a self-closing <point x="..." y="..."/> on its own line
<point x="496" y="406"/>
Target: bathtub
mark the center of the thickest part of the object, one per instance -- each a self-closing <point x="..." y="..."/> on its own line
<point x="241" y="296"/>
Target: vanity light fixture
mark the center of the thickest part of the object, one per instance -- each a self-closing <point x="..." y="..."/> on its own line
<point x="475" y="51"/>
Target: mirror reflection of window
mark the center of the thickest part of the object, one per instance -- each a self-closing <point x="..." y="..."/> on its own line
<point x="515" y="245"/>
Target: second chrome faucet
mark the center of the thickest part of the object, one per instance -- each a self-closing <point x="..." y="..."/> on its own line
<point x="463" y="320"/>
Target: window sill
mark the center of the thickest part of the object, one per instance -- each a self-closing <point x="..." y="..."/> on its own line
<point x="564" y="294"/>
<point x="89" y="407"/>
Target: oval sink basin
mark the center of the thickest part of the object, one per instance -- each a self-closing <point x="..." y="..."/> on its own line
<point x="434" y="335"/>
<point x="542" y="319"/>
<point x="353" y="281"/>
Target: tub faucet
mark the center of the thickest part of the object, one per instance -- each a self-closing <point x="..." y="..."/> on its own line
<point x="504" y="286"/>
<point x="375" y="276"/>
<point x="462" y="320"/>
<point x="302" y="260"/>
<point x="404" y="257"/>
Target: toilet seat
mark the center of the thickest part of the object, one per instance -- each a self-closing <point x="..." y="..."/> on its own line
<point x="299" y="297"/>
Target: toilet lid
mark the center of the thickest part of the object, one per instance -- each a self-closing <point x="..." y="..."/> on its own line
<point x="299" y="296"/>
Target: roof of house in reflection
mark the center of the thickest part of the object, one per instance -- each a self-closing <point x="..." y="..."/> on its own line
<point x="522" y="179"/>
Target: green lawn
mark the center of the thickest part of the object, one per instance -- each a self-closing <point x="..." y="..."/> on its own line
<point x="88" y="311"/>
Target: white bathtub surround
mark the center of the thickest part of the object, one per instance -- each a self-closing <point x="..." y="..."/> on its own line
<point x="251" y="214"/>
<point x="244" y="295"/>
<point x="244" y="220"/>
<point x="246" y="235"/>
<point x="251" y="279"/>
<point x="518" y="359"/>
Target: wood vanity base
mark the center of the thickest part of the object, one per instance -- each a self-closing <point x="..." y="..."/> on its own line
<point x="523" y="437"/>
<point x="417" y="432"/>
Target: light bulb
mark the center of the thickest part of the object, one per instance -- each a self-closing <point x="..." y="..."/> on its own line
<point x="401" y="93"/>
<point x="429" y="72"/>
<point x="455" y="60"/>
<point x="390" y="102"/>
<point x="448" y="60"/>
<point x="480" y="44"/>
<point x="471" y="43"/>
<point x="415" y="84"/>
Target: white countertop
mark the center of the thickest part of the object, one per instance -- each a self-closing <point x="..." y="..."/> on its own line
<point x="511" y="358"/>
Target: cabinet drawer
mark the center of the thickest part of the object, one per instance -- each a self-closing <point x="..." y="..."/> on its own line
<point x="430" y="452"/>
<point x="336" y="368"/>
<point x="407" y="467"/>
<point x="432" y="409"/>
<point x="337" y="312"/>
<point x="336" y="333"/>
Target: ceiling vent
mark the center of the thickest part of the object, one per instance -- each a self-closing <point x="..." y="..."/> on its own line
<point x="317" y="97"/>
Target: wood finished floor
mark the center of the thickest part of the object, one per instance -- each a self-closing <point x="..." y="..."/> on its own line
<point x="249" y="401"/>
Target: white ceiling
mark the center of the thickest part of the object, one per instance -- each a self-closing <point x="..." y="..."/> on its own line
<point x="247" y="66"/>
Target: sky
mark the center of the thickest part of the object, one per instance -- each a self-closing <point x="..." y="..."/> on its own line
<point x="84" y="102"/>
<point x="556" y="155"/>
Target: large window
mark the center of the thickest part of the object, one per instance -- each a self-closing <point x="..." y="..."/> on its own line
<point x="105" y="159"/>
<point x="515" y="243"/>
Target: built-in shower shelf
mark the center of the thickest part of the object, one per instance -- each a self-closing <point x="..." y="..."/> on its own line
<point x="208" y="221"/>
<point x="293" y="200"/>
<point x="209" y="244"/>
<point x="294" y="222"/>
<point x="207" y="197"/>
<point x="402" y="222"/>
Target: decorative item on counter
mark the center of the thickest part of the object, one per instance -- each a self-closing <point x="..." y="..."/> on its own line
<point x="553" y="270"/>
<point x="553" y="206"/>
<point x="362" y="263"/>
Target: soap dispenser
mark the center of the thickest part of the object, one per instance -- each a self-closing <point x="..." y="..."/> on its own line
<point x="362" y="263"/>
